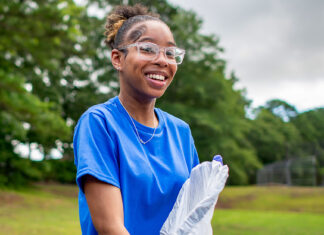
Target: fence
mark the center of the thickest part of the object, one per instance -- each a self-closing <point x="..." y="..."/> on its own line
<point x="294" y="171"/>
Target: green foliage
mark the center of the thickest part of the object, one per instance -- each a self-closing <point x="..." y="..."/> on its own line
<point x="279" y="132"/>
<point x="273" y="138"/>
<point x="43" y="47"/>
<point x="281" y="109"/>
<point x="18" y="109"/>
<point x="16" y="171"/>
<point x="29" y="52"/>
<point x="311" y="127"/>
<point x="62" y="171"/>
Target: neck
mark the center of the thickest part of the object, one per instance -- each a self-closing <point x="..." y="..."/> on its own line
<point x="141" y="110"/>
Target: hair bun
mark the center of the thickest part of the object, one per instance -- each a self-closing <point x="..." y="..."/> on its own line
<point x="118" y="16"/>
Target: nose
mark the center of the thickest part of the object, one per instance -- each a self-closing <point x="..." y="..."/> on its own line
<point x="161" y="59"/>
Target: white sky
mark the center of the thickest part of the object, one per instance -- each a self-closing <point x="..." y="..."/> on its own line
<point x="276" y="48"/>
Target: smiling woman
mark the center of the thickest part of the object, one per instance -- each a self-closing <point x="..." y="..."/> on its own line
<point x="132" y="158"/>
<point x="140" y="64"/>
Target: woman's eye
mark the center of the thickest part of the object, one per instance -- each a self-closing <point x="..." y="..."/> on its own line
<point x="170" y="53"/>
<point x="147" y="49"/>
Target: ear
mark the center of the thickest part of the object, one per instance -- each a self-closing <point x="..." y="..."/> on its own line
<point x="116" y="59"/>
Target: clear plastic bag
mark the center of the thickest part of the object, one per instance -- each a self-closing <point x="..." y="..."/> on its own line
<point x="194" y="207"/>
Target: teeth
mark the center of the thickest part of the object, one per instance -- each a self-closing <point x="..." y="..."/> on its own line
<point x="156" y="76"/>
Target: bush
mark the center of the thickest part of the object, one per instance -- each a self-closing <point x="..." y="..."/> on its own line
<point x="16" y="171"/>
<point x="62" y="171"/>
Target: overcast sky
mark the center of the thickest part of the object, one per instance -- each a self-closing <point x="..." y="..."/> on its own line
<point x="276" y="48"/>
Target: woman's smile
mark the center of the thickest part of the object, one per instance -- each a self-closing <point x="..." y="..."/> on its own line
<point x="157" y="79"/>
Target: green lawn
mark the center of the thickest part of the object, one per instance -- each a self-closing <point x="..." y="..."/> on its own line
<point x="45" y="209"/>
<point x="270" y="210"/>
<point x="52" y="209"/>
<point x="266" y="222"/>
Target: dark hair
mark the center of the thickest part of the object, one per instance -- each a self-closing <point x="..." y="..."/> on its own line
<point x="121" y="19"/>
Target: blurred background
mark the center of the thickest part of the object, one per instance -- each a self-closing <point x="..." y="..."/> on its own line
<point x="251" y="88"/>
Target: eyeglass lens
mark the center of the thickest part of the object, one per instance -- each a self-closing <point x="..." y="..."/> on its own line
<point x="150" y="51"/>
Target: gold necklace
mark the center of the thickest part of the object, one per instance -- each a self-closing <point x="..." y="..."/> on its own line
<point x="142" y="141"/>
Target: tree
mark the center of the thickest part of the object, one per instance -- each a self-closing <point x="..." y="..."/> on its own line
<point x="25" y="117"/>
<point x="22" y="113"/>
<point x="311" y="128"/>
<point x="273" y="138"/>
<point x="281" y="109"/>
<point x="42" y="43"/>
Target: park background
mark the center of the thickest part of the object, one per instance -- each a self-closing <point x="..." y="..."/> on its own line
<point x="54" y="65"/>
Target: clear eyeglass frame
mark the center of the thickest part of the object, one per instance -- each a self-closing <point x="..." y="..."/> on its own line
<point x="150" y="51"/>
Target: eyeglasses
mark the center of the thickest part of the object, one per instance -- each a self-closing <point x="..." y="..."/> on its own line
<point x="150" y="51"/>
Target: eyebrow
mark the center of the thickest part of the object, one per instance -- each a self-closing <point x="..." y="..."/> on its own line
<point x="153" y="40"/>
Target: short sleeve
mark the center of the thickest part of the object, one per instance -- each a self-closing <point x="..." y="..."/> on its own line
<point x="94" y="150"/>
<point x="195" y="158"/>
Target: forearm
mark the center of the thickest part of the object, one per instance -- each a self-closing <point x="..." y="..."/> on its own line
<point x="112" y="230"/>
<point x="107" y="220"/>
<point x="106" y="207"/>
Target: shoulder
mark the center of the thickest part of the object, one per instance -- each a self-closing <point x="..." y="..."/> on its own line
<point x="97" y="123"/>
<point x="102" y="110"/>
<point x="104" y="114"/>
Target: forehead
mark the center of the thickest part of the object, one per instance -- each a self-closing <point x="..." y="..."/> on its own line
<point x="154" y="31"/>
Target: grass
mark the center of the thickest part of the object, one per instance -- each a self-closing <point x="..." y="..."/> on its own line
<point x="52" y="209"/>
<point x="270" y="210"/>
<point x="44" y="209"/>
<point x="271" y="222"/>
<point x="292" y="199"/>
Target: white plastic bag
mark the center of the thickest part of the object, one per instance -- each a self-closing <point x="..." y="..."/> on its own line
<point x="194" y="207"/>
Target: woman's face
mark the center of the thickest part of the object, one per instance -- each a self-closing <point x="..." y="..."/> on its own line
<point x="138" y="77"/>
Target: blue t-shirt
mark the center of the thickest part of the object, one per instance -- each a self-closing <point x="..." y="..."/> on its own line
<point x="149" y="176"/>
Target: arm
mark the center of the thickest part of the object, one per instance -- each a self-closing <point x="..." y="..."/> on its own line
<point x="106" y="206"/>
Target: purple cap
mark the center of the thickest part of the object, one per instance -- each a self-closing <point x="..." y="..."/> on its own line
<point x="218" y="158"/>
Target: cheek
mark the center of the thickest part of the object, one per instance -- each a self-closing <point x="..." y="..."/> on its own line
<point x="174" y="69"/>
<point x="132" y="62"/>
<point x="134" y="68"/>
<point x="139" y="65"/>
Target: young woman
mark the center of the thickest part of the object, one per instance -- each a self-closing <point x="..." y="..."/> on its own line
<point x="131" y="157"/>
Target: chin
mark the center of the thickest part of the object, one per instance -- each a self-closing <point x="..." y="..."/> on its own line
<point x="156" y="94"/>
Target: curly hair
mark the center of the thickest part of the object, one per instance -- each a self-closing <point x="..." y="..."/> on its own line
<point x="121" y="19"/>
